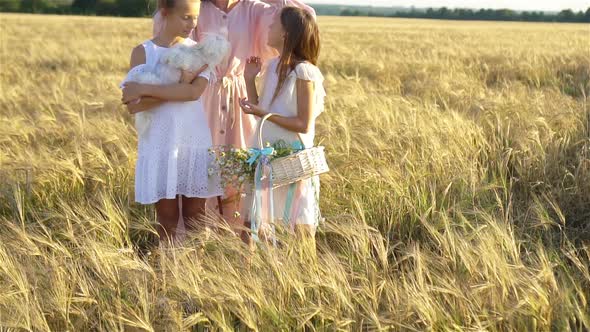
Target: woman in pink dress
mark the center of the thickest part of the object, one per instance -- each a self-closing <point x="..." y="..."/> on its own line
<point x="245" y="23"/>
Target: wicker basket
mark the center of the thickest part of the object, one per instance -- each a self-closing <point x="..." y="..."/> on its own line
<point x="297" y="166"/>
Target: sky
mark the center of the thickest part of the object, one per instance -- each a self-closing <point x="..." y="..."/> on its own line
<point x="546" y="5"/>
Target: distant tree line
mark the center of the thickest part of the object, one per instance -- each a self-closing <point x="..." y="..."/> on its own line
<point x="445" y="13"/>
<point x="82" y="7"/>
<point x="146" y="7"/>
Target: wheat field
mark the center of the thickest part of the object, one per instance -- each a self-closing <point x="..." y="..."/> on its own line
<point x="458" y="200"/>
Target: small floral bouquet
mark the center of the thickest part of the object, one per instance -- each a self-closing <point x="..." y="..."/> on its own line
<point x="236" y="166"/>
<point x="283" y="149"/>
<point x="231" y="165"/>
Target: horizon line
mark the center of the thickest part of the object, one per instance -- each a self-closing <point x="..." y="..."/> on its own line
<point x="450" y="7"/>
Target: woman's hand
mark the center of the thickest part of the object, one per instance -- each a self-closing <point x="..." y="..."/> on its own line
<point x="250" y="108"/>
<point x="132" y="91"/>
<point x="188" y="76"/>
<point x="253" y="67"/>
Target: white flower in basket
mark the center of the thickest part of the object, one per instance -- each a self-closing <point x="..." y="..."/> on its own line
<point x="210" y="51"/>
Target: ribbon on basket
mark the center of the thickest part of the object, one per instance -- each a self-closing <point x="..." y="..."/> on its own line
<point x="293" y="195"/>
<point x="263" y="187"/>
<point x="262" y="214"/>
<point x="262" y="210"/>
<point x="256" y="153"/>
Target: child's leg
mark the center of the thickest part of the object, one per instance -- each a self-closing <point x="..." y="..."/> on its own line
<point x="231" y="207"/>
<point x="193" y="210"/>
<point x="168" y="214"/>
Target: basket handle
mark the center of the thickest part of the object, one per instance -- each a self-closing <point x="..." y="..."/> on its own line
<point x="259" y="129"/>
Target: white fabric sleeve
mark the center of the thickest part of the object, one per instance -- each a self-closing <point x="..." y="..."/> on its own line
<point x="308" y="72"/>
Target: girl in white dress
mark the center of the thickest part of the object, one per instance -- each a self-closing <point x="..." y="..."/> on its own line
<point x="173" y="157"/>
<point x="292" y="89"/>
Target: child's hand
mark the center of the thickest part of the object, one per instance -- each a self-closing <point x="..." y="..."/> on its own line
<point x="188" y="76"/>
<point x="131" y="92"/>
<point x="133" y="106"/>
<point x="253" y="67"/>
<point x="250" y="108"/>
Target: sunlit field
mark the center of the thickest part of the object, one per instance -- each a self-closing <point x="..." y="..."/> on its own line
<point x="458" y="197"/>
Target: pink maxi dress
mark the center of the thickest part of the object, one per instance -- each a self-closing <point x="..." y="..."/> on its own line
<point x="246" y="27"/>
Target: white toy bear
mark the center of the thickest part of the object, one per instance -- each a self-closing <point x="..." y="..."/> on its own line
<point x="210" y="51"/>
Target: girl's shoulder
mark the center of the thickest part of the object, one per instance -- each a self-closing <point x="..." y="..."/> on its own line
<point x="308" y="72"/>
<point x="141" y="48"/>
<point x="145" y="47"/>
<point x="148" y="43"/>
<point x="138" y="55"/>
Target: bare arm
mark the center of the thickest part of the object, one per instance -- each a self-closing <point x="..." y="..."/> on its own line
<point x="251" y="70"/>
<point x="145" y="103"/>
<point x="251" y="90"/>
<point x="189" y="88"/>
<point x="176" y="92"/>
<point x="303" y="121"/>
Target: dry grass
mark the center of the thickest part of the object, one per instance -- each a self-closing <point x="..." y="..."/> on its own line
<point x="459" y="197"/>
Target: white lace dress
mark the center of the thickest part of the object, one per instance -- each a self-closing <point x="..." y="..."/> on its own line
<point x="173" y="157"/>
<point x="304" y="208"/>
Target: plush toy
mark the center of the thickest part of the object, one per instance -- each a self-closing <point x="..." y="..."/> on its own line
<point x="210" y="51"/>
